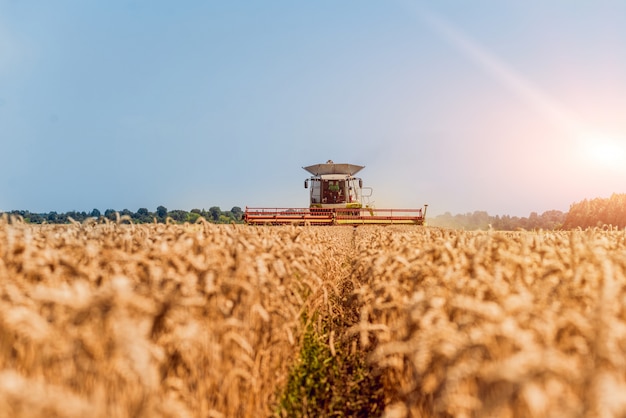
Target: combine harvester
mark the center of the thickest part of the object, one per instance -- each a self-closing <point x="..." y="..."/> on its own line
<point x="336" y="198"/>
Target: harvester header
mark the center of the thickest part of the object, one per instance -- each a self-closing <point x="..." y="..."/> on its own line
<point x="336" y="197"/>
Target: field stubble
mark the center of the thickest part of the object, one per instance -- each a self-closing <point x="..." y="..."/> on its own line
<point x="203" y="320"/>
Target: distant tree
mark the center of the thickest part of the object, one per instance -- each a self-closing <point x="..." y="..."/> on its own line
<point x="126" y="212"/>
<point x="36" y="218"/>
<point x="75" y="215"/>
<point x="533" y="221"/>
<point x="237" y="213"/>
<point x="214" y="213"/>
<point x="142" y="216"/>
<point x="192" y="217"/>
<point x="597" y="212"/>
<point x="26" y="216"/>
<point x="178" y="215"/>
<point x="552" y="219"/>
<point x="161" y="213"/>
<point x="479" y="220"/>
<point x="21" y="213"/>
<point x="110" y="214"/>
<point x="482" y="220"/>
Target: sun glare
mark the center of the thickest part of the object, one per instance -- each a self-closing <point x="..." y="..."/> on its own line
<point x="605" y="151"/>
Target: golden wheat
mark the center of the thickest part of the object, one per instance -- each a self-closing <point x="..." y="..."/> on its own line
<point x="154" y="320"/>
<point x="497" y="324"/>
<point x="119" y="320"/>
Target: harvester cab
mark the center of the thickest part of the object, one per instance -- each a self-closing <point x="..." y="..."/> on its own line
<point x="336" y="197"/>
<point x="335" y="186"/>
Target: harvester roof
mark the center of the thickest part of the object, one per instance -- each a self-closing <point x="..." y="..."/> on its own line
<point x="332" y="168"/>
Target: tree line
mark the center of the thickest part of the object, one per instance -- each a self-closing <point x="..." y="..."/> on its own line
<point x="598" y="212"/>
<point x="481" y="220"/>
<point x="589" y="213"/>
<point x="142" y="215"/>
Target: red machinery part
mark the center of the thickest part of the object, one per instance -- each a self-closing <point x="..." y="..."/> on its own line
<point x="333" y="216"/>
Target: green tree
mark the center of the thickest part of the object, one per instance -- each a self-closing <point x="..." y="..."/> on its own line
<point x="178" y="215"/>
<point x="214" y="213"/>
<point x="126" y="212"/>
<point x="161" y="213"/>
<point x="52" y="217"/>
<point x="142" y="216"/>
<point x="237" y="213"/>
<point x="110" y="214"/>
<point x="192" y="217"/>
<point x="36" y="218"/>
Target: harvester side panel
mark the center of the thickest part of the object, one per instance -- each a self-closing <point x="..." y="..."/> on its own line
<point x="285" y="216"/>
<point x="365" y="216"/>
<point x="333" y="216"/>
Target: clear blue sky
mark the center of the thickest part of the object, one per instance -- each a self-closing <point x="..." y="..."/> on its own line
<point x="508" y="107"/>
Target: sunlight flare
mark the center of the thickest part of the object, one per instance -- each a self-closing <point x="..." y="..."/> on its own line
<point x="604" y="150"/>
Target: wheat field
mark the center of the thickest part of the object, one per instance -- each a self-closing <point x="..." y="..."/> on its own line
<point x="203" y="320"/>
